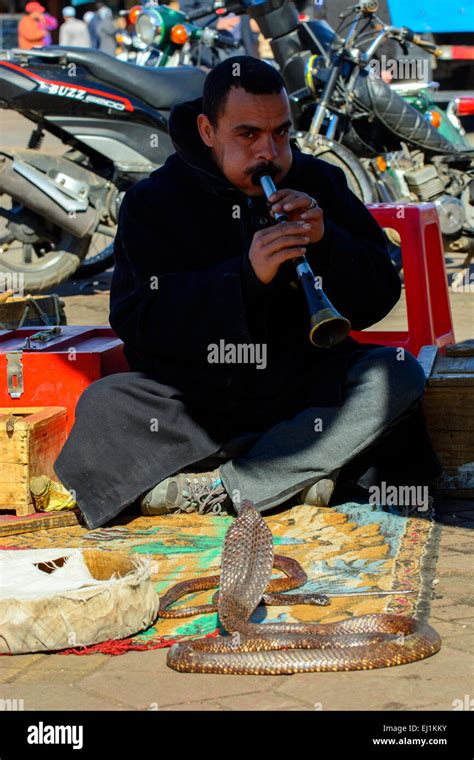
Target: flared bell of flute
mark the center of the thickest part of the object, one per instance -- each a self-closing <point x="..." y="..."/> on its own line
<point x="328" y="327"/>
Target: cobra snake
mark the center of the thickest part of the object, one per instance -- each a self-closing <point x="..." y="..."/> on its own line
<point x="359" y="643"/>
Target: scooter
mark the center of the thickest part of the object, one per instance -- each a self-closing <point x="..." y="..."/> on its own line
<point x="113" y="120"/>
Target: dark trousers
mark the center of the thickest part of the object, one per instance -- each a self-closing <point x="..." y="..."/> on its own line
<point x="132" y="432"/>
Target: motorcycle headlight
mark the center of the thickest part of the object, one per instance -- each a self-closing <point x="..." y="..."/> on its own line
<point x="149" y="27"/>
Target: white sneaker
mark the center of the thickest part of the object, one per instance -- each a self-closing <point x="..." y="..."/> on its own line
<point x="201" y="492"/>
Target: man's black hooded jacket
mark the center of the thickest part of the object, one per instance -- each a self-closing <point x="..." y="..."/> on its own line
<point x="183" y="282"/>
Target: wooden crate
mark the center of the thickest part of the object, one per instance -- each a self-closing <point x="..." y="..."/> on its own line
<point x="449" y="411"/>
<point x="30" y="441"/>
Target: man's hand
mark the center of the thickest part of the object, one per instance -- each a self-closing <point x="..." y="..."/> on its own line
<point x="299" y="207"/>
<point x="274" y="245"/>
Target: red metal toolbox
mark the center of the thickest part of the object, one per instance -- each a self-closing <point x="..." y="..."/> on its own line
<point x="53" y="366"/>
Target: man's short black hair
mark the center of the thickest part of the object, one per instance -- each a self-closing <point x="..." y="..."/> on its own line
<point x="254" y="75"/>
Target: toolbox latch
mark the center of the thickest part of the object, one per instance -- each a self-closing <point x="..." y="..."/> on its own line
<point x="14" y="373"/>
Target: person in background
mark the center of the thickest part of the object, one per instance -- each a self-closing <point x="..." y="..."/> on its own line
<point x="31" y="29"/>
<point x="106" y="31"/>
<point x="242" y="29"/>
<point x="74" y="32"/>
<point x="87" y="19"/>
<point x="50" y="24"/>
<point x="92" y="22"/>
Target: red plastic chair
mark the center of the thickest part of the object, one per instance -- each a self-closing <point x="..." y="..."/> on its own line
<point x="426" y="289"/>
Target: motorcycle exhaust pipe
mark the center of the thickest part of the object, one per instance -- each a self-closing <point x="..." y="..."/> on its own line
<point x="21" y="190"/>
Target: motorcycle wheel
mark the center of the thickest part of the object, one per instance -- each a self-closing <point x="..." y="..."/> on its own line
<point x="95" y="262"/>
<point x="36" y="270"/>
<point x="41" y="256"/>
<point x="337" y="155"/>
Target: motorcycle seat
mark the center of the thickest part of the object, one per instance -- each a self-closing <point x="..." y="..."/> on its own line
<point x="161" y="88"/>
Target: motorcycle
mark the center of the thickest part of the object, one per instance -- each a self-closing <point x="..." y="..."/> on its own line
<point x="344" y="114"/>
<point x="393" y="143"/>
<point x="164" y="36"/>
<point x="147" y="48"/>
<point x="112" y="118"/>
<point x="113" y="115"/>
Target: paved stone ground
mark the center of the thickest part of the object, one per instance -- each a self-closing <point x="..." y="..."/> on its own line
<point x="141" y="680"/>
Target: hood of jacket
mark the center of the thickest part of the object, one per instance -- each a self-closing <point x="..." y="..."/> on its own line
<point x="191" y="149"/>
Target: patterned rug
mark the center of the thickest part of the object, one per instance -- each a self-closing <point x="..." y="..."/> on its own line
<point x="366" y="558"/>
